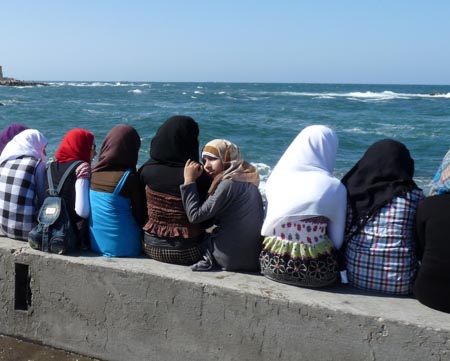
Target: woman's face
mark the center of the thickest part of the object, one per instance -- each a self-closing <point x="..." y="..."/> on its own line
<point x="93" y="151"/>
<point x="212" y="166"/>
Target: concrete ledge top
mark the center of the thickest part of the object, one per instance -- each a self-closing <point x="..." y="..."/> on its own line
<point x="345" y="299"/>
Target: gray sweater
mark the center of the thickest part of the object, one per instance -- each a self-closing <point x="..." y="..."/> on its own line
<point x="237" y="210"/>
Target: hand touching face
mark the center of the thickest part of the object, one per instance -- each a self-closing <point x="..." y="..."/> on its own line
<point x="192" y="170"/>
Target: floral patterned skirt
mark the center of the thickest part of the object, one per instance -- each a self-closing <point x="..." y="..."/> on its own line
<point x="306" y="260"/>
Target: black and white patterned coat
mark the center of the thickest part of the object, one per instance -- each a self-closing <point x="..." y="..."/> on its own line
<point x="18" y="197"/>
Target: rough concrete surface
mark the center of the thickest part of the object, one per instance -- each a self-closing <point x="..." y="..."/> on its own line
<point x="12" y="349"/>
<point x="140" y="309"/>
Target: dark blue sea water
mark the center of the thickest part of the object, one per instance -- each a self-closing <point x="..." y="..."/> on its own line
<point x="262" y="119"/>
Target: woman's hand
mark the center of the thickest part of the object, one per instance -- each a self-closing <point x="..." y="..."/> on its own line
<point x="192" y="170"/>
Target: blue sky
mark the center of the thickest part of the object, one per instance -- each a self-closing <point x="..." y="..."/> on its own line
<point x="315" y="41"/>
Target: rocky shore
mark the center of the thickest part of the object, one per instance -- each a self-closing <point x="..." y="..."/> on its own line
<point x="15" y="82"/>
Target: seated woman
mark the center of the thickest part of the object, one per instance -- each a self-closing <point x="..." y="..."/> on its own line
<point x="76" y="146"/>
<point x="382" y="201"/>
<point x="169" y="236"/>
<point x="7" y="134"/>
<point x="234" y="203"/>
<point x="432" y="285"/>
<point x="117" y="196"/>
<point x="22" y="173"/>
<point x="305" y="221"/>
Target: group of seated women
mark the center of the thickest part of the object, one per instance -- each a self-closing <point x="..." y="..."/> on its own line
<point x="374" y="229"/>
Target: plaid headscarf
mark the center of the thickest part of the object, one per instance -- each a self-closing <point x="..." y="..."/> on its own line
<point x="441" y="181"/>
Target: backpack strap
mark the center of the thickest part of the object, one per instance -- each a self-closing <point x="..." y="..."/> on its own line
<point x="122" y="181"/>
<point x="51" y="187"/>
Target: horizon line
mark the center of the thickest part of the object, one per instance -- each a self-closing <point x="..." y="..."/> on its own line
<point x="232" y="82"/>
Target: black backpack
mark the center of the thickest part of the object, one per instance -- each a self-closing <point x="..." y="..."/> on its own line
<point x="54" y="232"/>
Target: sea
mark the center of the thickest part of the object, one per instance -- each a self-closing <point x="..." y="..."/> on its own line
<point x="261" y="118"/>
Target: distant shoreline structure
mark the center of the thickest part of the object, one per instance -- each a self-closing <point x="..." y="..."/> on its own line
<point x="14" y="82"/>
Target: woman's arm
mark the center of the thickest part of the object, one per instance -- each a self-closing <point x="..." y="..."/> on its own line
<point x="39" y="177"/>
<point x="82" y="205"/>
<point x="82" y="184"/>
<point x="336" y="227"/>
<point x="138" y="199"/>
<point x="419" y="232"/>
<point x="197" y="211"/>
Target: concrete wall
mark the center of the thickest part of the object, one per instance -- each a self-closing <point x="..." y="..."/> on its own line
<point x="139" y="309"/>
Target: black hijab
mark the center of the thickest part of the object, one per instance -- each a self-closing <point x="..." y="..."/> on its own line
<point x="385" y="171"/>
<point x="175" y="142"/>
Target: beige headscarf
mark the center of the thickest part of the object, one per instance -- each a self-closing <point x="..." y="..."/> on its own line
<point x="235" y="167"/>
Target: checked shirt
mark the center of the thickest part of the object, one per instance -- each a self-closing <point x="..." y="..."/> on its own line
<point x="381" y="257"/>
<point x="17" y="197"/>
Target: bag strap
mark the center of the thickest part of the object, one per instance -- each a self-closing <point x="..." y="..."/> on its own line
<point x="122" y="181"/>
<point x="51" y="188"/>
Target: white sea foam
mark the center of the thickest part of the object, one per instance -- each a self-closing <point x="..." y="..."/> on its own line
<point x="362" y="96"/>
<point x="95" y="84"/>
<point x="10" y="101"/>
<point x="440" y="95"/>
<point x="99" y="104"/>
<point x="135" y="91"/>
<point x="198" y="92"/>
<point x="383" y="130"/>
<point x="357" y="131"/>
<point x="92" y="111"/>
<point x="74" y="101"/>
<point x="264" y="172"/>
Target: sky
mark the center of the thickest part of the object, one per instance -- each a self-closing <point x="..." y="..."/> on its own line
<point x="282" y="41"/>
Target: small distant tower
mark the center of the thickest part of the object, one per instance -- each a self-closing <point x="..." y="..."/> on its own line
<point x="1" y="73"/>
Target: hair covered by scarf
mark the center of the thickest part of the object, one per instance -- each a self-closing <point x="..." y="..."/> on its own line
<point x="302" y="184"/>
<point x="7" y="134"/>
<point x="175" y="142"/>
<point x="29" y="142"/>
<point x="235" y="167"/>
<point x="385" y="171"/>
<point x="441" y="181"/>
<point x="76" y="145"/>
<point x="119" y="150"/>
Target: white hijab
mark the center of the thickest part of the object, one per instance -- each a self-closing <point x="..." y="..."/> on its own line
<point x="30" y="142"/>
<point x="302" y="184"/>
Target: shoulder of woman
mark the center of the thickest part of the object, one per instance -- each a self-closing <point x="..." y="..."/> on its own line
<point x="226" y="183"/>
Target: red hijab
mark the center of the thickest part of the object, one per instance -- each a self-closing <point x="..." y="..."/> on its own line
<point x="76" y="145"/>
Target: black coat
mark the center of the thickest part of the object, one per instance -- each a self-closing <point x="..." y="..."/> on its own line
<point x="432" y="285"/>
